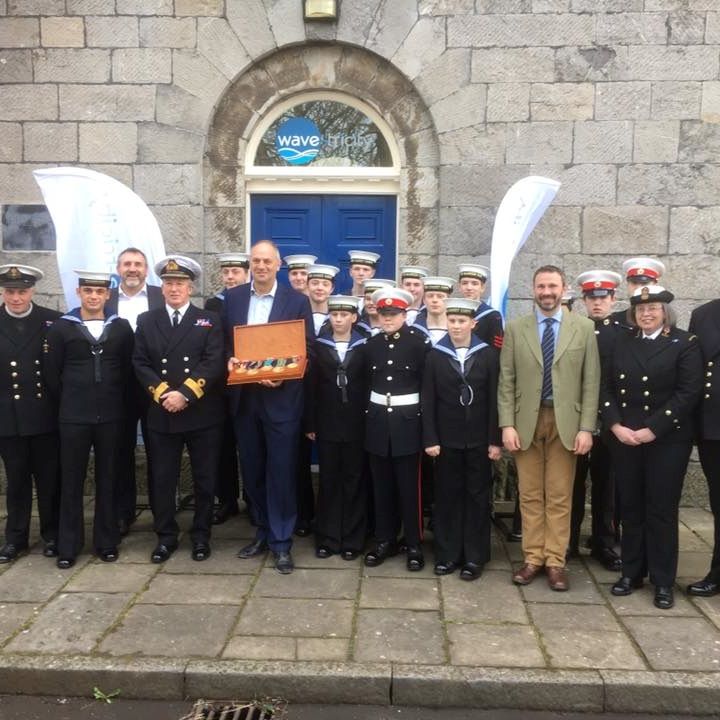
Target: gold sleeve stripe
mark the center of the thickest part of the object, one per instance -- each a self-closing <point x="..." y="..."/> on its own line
<point x="196" y="387"/>
<point x="161" y="389"/>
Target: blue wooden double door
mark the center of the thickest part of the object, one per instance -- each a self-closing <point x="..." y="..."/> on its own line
<point x="328" y="226"/>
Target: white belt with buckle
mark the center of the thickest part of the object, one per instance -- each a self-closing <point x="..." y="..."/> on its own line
<point x="394" y="400"/>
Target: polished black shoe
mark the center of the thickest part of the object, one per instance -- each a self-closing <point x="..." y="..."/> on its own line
<point x="161" y="553"/>
<point x="380" y="553"/>
<point x="663" y="597"/>
<point x="283" y="562"/>
<point x="10" y="552"/>
<point x="415" y="560"/>
<point x="65" y="563"/>
<point x="224" y="512"/>
<point x="445" y="568"/>
<point x="471" y="571"/>
<point x="256" y="547"/>
<point x="303" y="530"/>
<point x="200" y="551"/>
<point x="50" y="549"/>
<point x="349" y="554"/>
<point x="323" y="552"/>
<point x="625" y="586"/>
<point x="707" y="587"/>
<point x="608" y="558"/>
<point x="108" y="554"/>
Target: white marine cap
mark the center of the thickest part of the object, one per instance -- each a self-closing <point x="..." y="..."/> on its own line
<point x="598" y="283"/>
<point x="392" y="299"/>
<point x="643" y="269"/>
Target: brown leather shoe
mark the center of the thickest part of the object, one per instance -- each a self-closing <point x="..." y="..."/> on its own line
<point x="557" y="578"/>
<point x="526" y="574"/>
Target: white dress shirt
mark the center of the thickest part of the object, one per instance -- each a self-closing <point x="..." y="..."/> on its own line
<point x="130" y="306"/>
<point x="260" y="305"/>
<point x="171" y="312"/>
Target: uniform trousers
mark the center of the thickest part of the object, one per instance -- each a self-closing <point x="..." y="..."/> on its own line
<point x="228" y="483"/>
<point x="34" y="457"/>
<point x="75" y="443"/>
<point x="268" y="459"/>
<point x="396" y="491"/>
<point x="650" y="479"/>
<point x="546" y="472"/>
<point x="126" y="485"/>
<point x="341" y="518"/>
<point x="203" y="448"/>
<point x="305" y="492"/>
<point x="602" y="497"/>
<point x="709" y="451"/>
<point x="462" y="505"/>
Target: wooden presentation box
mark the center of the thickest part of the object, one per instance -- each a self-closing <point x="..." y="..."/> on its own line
<point x="274" y="351"/>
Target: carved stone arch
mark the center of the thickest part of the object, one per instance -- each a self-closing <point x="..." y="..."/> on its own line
<point x="342" y="68"/>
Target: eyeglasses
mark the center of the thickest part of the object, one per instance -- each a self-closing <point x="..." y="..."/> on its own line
<point x="648" y="309"/>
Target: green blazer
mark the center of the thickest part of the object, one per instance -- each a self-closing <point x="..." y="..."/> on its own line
<point x="575" y="376"/>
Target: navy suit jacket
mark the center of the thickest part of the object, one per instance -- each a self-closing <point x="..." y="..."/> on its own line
<point x="284" y="403"/>
<point x="154" y="296"/>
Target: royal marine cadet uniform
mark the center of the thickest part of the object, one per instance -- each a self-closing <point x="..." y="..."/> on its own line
<point x="656" y="383"/>
<point x="393" y="432"/>
<point x="363" y="324"/>
<point x="28" y="419"/>
<point x="88" y="372"/>
<point x="638" y="271"/>
<point x="185" y="354"/>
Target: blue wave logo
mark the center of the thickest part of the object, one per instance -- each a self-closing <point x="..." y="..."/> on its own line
<point x="298" y="141"/>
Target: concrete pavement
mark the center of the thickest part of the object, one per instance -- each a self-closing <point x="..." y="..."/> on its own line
<point x="336" y="631"/>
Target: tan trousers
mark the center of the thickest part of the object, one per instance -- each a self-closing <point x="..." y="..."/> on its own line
<point x="546" y="472"/>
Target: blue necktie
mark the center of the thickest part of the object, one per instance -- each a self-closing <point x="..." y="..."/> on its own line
<point x="548" y="350"/>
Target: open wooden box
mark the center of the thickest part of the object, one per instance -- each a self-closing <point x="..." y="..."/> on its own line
<point x="274" y="351"/>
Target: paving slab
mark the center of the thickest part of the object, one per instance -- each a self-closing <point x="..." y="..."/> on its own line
<point x="406" y="593"/>
<point x="171" y="631"/>
<point x="492" y="598"/>
<point x="71" y="623"/>
<point x="575" y="647"/>
<point x="693" y="564"/>
<point x="166" y="588"/>
<point x="13" y="616"/>
<point x="405" y="636"/>
<point x="33" y="578"/>
<point x="296" y="618"/>
<point x="691" y="541"/>
<point x="322" y="649"/>
<point x="641" y="603"/>
<point x="484" y="645"/>
<point x="136" y="547"/>
<point x="107" y="576"/>
<point x="582" y="588"/>
<point x="561" y="616"/>
<point x="261" y="648"/>
<point x="223" y="561"/>
<point x="710" y="607"/>
<point x="341" y="584"/>
<point x="677" y="643"/>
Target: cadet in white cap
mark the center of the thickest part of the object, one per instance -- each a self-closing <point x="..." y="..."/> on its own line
<point x="234" y="270"/>
<point x="432" y="320"/>
<point x="472" y="284"/>
<point x="28" y="418"/>
<point x="411" y="279"/>
<point x="180" y="360"/>
<point x="363" y="265"/>
<point x="638" y="272"/>
<point x="321" y="282"/>
<point x="89" y="374"/>
<point x="393" y="433"/>
<point x="369" y="321"/>
<point x="460" y="430"/>
<point x="297" y="270"/>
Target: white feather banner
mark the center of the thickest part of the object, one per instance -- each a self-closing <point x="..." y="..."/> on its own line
<point x="95" y="218"/>
<point x="519" y="212"/>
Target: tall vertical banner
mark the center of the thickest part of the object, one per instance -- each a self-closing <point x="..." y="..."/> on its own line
<point x="518" y="214"/>
<point x="95" y="218"/>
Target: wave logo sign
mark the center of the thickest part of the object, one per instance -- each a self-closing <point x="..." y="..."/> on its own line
<point x="298" y="141"/>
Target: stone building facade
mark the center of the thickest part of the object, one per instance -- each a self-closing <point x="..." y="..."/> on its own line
<point x="617" y="99"/>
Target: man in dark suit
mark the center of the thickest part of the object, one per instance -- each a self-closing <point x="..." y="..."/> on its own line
<point x="268" y="414"/>
<point x="705" y="323"/>
<point x="131" y="298"/>
<point x="179" y="360"/>
<point x="28" y="417"/>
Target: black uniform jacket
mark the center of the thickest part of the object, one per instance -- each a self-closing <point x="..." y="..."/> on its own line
<point x="215" y="303"/>
<point x="459" y="408"/>
<point x="622" y="317"/>
<point x="395" y="365"/>
<point x="154" y="297"/>
<point x="25" y="406"/>
<point x="89" y="378"/>
<point x="653" y="383"/>
<point x="489" y="326"/>
<point x="189" y="358"/>
<point x="337" y="391"/>
<point x="606" y="333"/>
<point x="705" y="323"/>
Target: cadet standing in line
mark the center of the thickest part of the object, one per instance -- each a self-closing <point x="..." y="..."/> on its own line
<point x="411" y="280"/>
<point x="88" y="372"/>
<point x="432" y="320"/>
<point x="28" y="417"/>
<point x="638" y="272"/>
<point x="362" y="267"/>
<point x="297" y="266"/>
<point x="369" y="319"/>
<point x="472" y="280"/>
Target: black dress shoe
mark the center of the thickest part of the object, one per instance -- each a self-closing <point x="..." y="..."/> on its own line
<point x="625" y="586"/>
<point x="608" y="558"/>
<point x="256" y="547"/>
<point x="415" y="560"/>
<point x="663" y="597"/>
<point x="161" y="553"/>
<point x="349" y="554"/>
<point x="303" y="530"/>
<point x="50" y="550"/>
<point x="10" y="552"/>
<point x="283" y="562"/>
<point x="65" y="563"/>
<point x="445" y="568"/>
<point x="707" y="587"/>
<point x="380" y="553"/>
<point x="323" y="552"/>
<point x="200" y="551"/>
<point x="108" y="554"/>
<point x="471" y="571"/>
<point x="225" y="512"/>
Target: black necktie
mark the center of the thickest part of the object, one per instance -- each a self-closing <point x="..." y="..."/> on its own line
<point x="548" y="350"/>
<point x="176" y="318"/>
